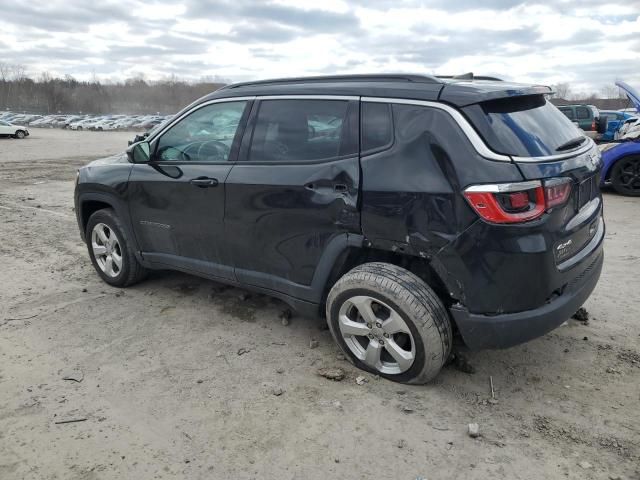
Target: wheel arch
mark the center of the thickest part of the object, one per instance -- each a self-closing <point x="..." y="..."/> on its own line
<point x="354" y="256"/>
<point x="612" y="156"/>
<point x="91" y="202"/>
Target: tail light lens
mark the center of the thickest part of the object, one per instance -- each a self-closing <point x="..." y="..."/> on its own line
<point x="593" y="125"/>
<point x="557" y="191"/>
<point x="517" y="202"/>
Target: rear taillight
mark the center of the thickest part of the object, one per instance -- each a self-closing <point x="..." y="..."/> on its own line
<point x="557" y="191"/>
<point x="593" y="125"/>
<point x="517" y="202"/>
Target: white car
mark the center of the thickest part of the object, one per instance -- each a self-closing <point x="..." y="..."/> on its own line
<point x="82" y="124"/>
<point x="10" y="130"/>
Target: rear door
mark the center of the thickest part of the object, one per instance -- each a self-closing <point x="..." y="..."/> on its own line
<point x="177" y="200"/>
<point x="292" y="197"/>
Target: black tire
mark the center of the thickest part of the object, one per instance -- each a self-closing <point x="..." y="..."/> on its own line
<point x="131" y="272"/>
<point x="415" y="302"/>
<point x="79" y="129"/>
<point x="601" y="124"/>
<point x="20" y="134"/>
<point x="625" y="176"/>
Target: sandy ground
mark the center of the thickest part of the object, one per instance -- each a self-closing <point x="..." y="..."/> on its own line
<point x="165" y="393"/>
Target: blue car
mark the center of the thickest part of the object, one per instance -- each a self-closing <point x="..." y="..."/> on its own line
<point x="615" y="120"/>
<point x="622" y="159"/>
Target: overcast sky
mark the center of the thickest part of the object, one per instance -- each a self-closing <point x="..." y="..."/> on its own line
<point x="586" y="42"/>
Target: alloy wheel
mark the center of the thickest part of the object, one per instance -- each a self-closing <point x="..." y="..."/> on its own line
<point x="629" y="174"/>
<point x="376" y="334"/>
<point x="106" y="250"/>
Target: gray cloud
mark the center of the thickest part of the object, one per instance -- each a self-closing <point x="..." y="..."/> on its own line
<point x="264" y="30"/>
<point x="309" y="20"/>
<point x="68" y="17"/>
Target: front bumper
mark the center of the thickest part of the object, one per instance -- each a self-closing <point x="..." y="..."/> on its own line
<point x="506" y="330"/>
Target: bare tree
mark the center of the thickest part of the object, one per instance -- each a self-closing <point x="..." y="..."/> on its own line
<point x="563" y="90"/>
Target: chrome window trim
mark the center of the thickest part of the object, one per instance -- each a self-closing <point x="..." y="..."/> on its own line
<point x="589" y="144"/>
<point x="478" y="143"/>
<point x="504" y="187"/>
<point x="463" y="123"/>
<point x="197" y="107"/>
<point x="308" y="97"/>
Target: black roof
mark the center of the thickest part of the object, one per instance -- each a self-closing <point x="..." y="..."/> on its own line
<point x="459" y="90"/>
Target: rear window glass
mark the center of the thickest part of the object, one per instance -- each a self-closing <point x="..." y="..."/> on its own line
<point x="526" y="126"/>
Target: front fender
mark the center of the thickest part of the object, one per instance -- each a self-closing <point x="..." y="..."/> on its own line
<point x="613" y="154"/>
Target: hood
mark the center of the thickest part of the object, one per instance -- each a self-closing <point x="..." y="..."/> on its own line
<point x="632" y="94"/>
<point x="118" y="158"/>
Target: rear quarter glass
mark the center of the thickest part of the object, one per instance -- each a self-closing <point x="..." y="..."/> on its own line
<point x="525" y="126"/>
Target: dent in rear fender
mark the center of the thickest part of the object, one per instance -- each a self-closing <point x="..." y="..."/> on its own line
<point x="412" y="198"/>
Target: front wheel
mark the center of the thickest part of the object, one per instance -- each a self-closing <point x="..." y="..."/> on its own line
<point x="111" y="251"/>
<point x="19" y="135"/>
<point x="625" y="176"/>
<point x="390" y="322"/>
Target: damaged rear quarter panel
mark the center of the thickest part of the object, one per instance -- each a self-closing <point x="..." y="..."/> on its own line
<point x="411" y="193"/>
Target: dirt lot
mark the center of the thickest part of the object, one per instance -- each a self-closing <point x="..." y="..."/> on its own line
<point x="166" y="394"/>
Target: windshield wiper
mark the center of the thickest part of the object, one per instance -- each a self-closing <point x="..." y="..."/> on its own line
<point x="574" y="142"/>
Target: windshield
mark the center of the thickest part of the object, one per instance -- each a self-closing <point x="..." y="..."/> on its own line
<point x="527" y="126"/>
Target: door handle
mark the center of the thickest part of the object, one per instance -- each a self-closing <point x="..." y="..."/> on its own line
<point x="204" y="182"/>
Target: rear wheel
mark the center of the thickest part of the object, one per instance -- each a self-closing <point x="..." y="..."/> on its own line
<point x="110" y="250"/>
<point x="19" y="134"/>
<point x="625" y="176"/>
<point x="390" y="322"/>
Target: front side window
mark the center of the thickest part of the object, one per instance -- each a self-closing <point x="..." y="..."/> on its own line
<point x="300" y="130"/>
<point x="205" y="135"/>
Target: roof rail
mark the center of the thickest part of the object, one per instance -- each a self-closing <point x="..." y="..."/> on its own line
<point x="341" y="78"/>
<point x="470" y="76"/>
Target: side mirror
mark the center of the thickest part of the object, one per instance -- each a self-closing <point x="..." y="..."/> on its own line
<point x="139" y="152"/>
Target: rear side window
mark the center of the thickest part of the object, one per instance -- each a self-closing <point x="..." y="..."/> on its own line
<point x="377" y="126"/>
<point x="583" y="113"/>
<point x="300" y="130"/>
<point x="526" y="126"/>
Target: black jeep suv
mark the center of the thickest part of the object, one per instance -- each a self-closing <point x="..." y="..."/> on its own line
<point x="408" y="209"/>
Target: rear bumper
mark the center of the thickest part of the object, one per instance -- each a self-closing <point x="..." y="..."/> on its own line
<point x="506" y="330"/>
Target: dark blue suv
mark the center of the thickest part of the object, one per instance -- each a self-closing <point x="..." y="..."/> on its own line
<point x="407" y="209"/>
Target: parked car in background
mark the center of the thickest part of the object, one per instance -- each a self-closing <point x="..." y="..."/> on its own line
<point x="8" y="129"/>
<point x="405" y="208"/>
<point x="621" y="158"/>
<point x="81" y="124"/>
<point x="615" y="120"/>
<point x="587" y="117"/>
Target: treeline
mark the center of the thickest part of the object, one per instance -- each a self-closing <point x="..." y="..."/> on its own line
<point x="48" y="94"/>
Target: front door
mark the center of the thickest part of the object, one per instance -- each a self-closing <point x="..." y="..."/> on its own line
<point x="292" y="195"/>
<point x="177" y="199"/>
